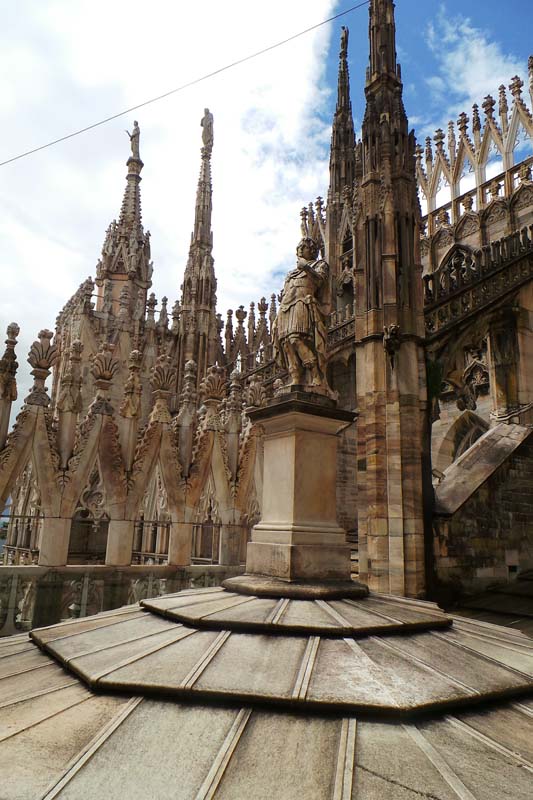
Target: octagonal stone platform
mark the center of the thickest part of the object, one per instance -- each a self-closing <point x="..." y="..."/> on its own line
<point x="376" y="654"/>
<point x="375" y="698"/>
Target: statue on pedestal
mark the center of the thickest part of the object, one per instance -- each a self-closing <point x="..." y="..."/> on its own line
<point x="299" y="332"/>
<point x="207" y="125"/>
<point x="135" y="135"/>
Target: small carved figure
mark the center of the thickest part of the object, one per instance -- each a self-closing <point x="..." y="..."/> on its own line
<point x="299" y="332"/>
<point x="135" y="135"/>
<point x="107" y="305"/>
<point x="207" y="125"/>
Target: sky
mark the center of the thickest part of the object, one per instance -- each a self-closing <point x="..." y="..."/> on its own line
<point x="65" y="64"/>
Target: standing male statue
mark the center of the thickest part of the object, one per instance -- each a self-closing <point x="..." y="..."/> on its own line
<point x="135" y="135"/>
<point x="207" y="125"/>
<point x="299" y="332"/>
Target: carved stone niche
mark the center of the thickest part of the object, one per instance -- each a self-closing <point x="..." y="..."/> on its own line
<point x="522" y="205"/>
<point x="458" y="269"/>
<point x="468" y="227"/>
<point x="441" y="243"/>
<point x="495" y="218"/>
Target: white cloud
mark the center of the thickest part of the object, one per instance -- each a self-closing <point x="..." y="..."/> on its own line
<point x="67" y="64"/>
<point x="470" y="65"/>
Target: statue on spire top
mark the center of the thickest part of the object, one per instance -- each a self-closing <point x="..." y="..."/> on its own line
<point x="207" y="125"/>
<point x="135" y="135"/>
<point x="344" y="42"/>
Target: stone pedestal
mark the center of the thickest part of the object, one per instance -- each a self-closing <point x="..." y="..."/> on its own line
<point x="298" y="538"/>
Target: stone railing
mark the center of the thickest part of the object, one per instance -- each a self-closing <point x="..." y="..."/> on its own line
<point x="469" y="282"/>
<point x="32" y="596"/>
<point x="479" y="197"/>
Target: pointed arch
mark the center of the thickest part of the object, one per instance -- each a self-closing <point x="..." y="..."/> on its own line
<point x="520" y="120"/>
<point x="462" y="434"/>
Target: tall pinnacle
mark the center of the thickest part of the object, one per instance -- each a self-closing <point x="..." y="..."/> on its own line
<point x="382" y="30"/>
<point x="202" y="218"/>
<point x="342" y="158"/>
<point x="200" y="283"/>
<point x="130" y="213"/>
<point x="126" y="248"/>
<point x="198" y="323"/>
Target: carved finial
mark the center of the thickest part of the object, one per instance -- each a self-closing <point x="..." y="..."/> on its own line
<point x="429" y="155"/>
<point x="9" y="365"/>
<point x="163" y="375"/>
<point x="273" y="310"/>
<point x="104" y="367"/>
<point x="516" y="87"/>
<point x="131" y="402"/>
<point x="42" y="357"/>
<point x="462" y="123"/>
<point x="303" y="225"/>
<point x="489" y="104"/>
<point x="235" y="394"/>
<point x="229" y="332"/>
<point x="439" y="139"/>
<point x="163" y="380"/>
<point x="213" y="386"/>
<point x="503" y="108"/>
<point x="251" y="324"/>
<point x="163" y="314"/>
<point x="262" y="307"/>
<point x="319" y="206"/>
<point x="188" y="394"/>
<point x="240" y="316"/>
<point x="256" y="394"/>
<point x="452" y="142"/>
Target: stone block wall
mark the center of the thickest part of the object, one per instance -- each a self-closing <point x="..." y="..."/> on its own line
<point x="341" y="375"/>
<point x="347" y="483"/>
<point x="490" y="538"/>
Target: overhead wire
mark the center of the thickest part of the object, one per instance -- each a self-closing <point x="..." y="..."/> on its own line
<point x="184" y="86"/>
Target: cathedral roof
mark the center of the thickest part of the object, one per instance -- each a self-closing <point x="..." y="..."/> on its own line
<point x="216" y="694"/>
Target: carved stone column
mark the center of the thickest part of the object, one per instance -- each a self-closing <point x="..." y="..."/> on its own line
<point x="130" y="409"/>
<point x="187" y="416"/>
<point x="503" y="358"/>
<point x="8" y="384"/>
<point x="69" y="403"/>
<point x="234" y="421"/>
